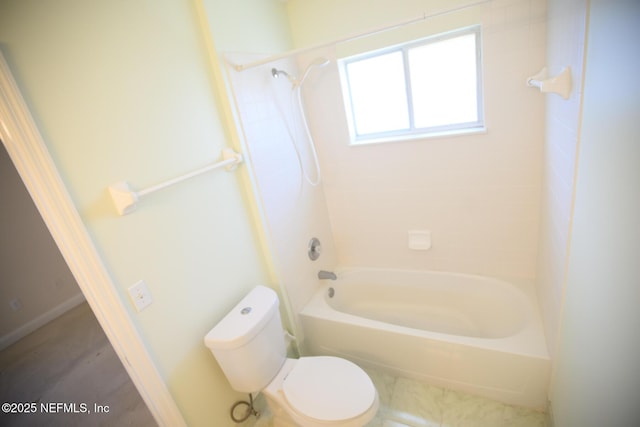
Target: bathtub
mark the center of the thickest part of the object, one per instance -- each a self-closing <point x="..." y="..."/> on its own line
<point x="469" y="333"/>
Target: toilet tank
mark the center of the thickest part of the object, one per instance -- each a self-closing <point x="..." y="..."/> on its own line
<point x="248" y="342"/>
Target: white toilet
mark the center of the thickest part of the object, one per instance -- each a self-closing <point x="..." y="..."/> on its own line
<point x="322" y="391"/>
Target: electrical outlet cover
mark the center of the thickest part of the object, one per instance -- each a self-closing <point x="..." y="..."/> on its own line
<point x="16" y="304"/>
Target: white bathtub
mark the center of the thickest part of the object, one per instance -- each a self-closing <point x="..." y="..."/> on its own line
<point x="469" y="333"/>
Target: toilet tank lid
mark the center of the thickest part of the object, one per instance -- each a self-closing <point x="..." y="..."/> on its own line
<point x="244" y="321"/>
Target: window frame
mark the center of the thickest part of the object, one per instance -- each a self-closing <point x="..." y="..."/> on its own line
<point x="412" y="132"/>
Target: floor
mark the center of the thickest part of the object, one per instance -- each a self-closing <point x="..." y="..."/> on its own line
<point x="405" y="402"/>
<point x="408" y="403"/>
<point x="64" y="366"/>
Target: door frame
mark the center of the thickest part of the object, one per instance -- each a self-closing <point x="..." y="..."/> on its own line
<point x="29" y="154"/>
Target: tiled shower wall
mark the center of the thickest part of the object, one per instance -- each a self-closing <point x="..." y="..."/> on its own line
<point x="565" y="47"/>
<point x="478" y="194"/>
<point x="292" y="210"/>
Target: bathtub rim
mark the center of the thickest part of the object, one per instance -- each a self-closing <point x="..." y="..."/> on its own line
<point x="529" y="341"/>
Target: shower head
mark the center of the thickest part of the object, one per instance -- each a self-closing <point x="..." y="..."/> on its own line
<point x="318" y="62"/>
<point x="275" y="73"/>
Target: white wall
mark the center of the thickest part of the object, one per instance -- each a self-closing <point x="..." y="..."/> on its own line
<point x="597" y="381"/>
<point x="123" y="91"/>
<point x="478" y="194"/>
<point x="294" y="211"/>
<point x="565" y="47"/>
<point x="268" y="121"/>
<point x="249" y="25"/>
<point x="31" y="266"/>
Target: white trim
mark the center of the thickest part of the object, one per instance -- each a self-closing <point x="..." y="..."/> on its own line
<point x="7" y="339"/>
<point x="29" y="154"/>
<point x="421" y="137"/>
<point x="412" y="131"/>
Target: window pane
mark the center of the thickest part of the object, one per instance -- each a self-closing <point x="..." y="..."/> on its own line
<point x="444" y="82"/>
<point x="378" y="94"/>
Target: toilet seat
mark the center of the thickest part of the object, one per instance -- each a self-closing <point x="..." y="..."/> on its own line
<point x="328" y="388"/>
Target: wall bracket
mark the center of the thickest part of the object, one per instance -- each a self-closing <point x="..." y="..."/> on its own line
<point x="560" y="84"/>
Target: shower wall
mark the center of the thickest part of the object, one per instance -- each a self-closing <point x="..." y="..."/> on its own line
<point x="292" y="210"/>
<point x="289" y="213"/>
<point x="565" y="47"/>
<point x="478" y="194"/>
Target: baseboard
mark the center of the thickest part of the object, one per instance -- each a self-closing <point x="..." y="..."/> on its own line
<point x="43" y="319"/>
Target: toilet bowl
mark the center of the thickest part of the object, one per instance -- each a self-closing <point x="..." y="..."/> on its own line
<point x="319" y="391"/>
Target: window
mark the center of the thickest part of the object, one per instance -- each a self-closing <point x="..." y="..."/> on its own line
<point x="415" y="89"/>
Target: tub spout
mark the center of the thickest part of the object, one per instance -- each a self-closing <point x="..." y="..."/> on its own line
<point x="322" y="275"/>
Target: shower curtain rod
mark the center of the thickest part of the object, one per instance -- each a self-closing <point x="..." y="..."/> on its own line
<point x="355" y="36"/>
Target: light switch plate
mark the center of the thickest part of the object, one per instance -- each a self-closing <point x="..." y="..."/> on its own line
<point x="140" y="295"/>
